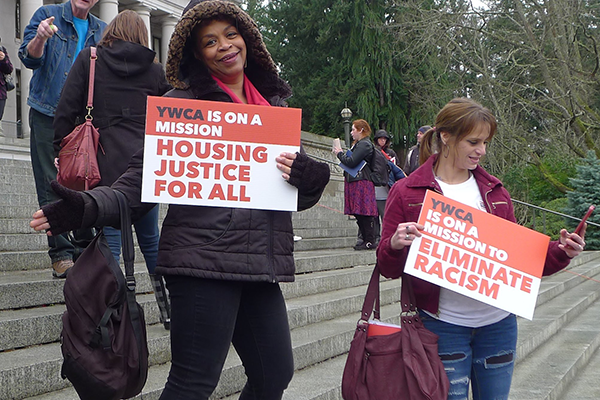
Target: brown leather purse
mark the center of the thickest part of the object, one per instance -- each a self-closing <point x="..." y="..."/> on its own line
<point x="400" y="365"/>
<point x="77" y="160"/>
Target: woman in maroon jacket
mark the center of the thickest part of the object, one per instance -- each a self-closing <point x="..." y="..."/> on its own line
<point x="477" y="342"/>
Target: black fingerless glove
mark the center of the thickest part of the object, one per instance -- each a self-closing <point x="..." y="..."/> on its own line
<point x="66" y="214"/>
<point x="297" y="170"/>
<point x="307" y="174"/>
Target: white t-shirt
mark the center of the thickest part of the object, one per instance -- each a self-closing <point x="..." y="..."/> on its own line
<point x="456" y="308"/>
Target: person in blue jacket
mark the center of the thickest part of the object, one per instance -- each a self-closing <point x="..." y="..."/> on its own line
<point x="52" y="40"/>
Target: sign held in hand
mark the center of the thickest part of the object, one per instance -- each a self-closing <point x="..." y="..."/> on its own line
<point x="479" y="255"/>
<point x="218" y="154"/>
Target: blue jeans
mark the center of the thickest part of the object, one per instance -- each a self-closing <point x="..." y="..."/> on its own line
<point x="210" y="314"/>
<point x="483" y="356"/>
<point x="146" y="230"/>
<point x="44" y="171"/>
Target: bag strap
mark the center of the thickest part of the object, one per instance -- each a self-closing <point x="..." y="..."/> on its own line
<point x="126" y="238"/>
<point x="128" y="258"/>
<point x="90" y="100"/>
<point x="372" y="302"/>
<point x="371" y="305"/>
<point x="407" y="296"/>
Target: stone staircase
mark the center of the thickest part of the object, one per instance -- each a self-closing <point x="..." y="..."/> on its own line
<point x="557" y="351"/>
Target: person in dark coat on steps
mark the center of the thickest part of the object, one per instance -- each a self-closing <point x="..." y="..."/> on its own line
<point x="222" y="265"/>
<point x="126" y="73"/>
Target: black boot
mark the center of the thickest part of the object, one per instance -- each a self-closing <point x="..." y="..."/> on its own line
<point x="367" y="228"/>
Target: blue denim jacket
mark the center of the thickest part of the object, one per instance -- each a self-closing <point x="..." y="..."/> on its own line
<point x="51" y="70"/>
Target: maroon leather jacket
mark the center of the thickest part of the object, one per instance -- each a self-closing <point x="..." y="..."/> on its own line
<point x="404" y="204"/>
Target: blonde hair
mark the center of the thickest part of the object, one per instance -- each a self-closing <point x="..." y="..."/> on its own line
<point x="127" y="26"/>
<point x="458" y="118"/>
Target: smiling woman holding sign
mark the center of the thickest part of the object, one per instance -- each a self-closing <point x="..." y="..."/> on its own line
<point x="477" y="342"/>
<point x="222" y="265"/>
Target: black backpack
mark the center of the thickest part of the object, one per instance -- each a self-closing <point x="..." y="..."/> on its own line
<point x="380" y="169"/>
<point x="103" y="339"/>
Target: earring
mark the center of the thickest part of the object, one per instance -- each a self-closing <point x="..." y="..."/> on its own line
<point x="246" y="63"/>
<point x="445" y="150"/>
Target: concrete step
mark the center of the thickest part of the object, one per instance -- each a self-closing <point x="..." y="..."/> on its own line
<point x="16" y="171"/>
<point x="18" y="211"/>
<point x="309" y="299"/>
<point x="16" y="225"/>
<point x="43" y="324"/>
<point x="23" y="241"/>
<point x="546" y="373"/>
<point x="335" y="221"/>
<point x="17" y="165"/>
<point x="32" y="287"/>
<point x="312" y="344"/>
<point x="572" y="296"/>
<point x="24" y="261"/>
<point x="27" y="249"/>
<point x="333" y="364"/>
<point x="18" y="199"/>
<point x="26" y="289"/>
<point x="14" y="149"/>
<point x="326" y="281"/>
<point x="18" y="185"/>
<point x="321" y="212"/>
<point x="585" y="384"/>
<point x="326" y="233"/>
<point x="584" y="266"/>
<point x="324" y="243"/>
<point x="323" y="377"/>
<point x="325" y="260"/>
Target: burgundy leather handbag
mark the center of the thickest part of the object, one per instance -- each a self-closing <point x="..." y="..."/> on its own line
<point x="77" y="159"/>
<point x="397" y="366"/>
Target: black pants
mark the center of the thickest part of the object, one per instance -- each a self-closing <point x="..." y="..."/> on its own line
<point x="2" y="105"/>
<point x="208" y="315"/>
<point x="366" y="225"/>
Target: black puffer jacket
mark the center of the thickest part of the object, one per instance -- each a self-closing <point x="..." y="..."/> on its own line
<point x="215" y="242"/>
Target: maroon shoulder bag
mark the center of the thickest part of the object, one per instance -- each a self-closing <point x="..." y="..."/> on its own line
<point x="404" y="365"/>
<point x="77" y="160"/>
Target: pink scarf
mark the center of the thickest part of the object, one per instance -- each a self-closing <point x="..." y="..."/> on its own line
<point x="252" y="95"/>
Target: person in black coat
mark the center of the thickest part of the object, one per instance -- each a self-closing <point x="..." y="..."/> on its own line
<point x="126" y="74"/>
<point x="223" y="266"/>
<point x="359" y="190"/>
<point x="6" y="67"/>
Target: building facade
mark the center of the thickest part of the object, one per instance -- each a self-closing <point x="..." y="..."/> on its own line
<point x="160" y="17"/>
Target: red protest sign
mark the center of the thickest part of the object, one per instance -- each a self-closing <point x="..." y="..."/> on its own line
<point x="218" y="154"/>
<point x="478" y="255"/>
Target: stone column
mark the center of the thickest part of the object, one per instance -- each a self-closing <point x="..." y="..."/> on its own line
<point x="108" y="10"/>
<point x="168" y="26"/>
<point x="28" y="8"/>
<point x="144" y="12"/>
